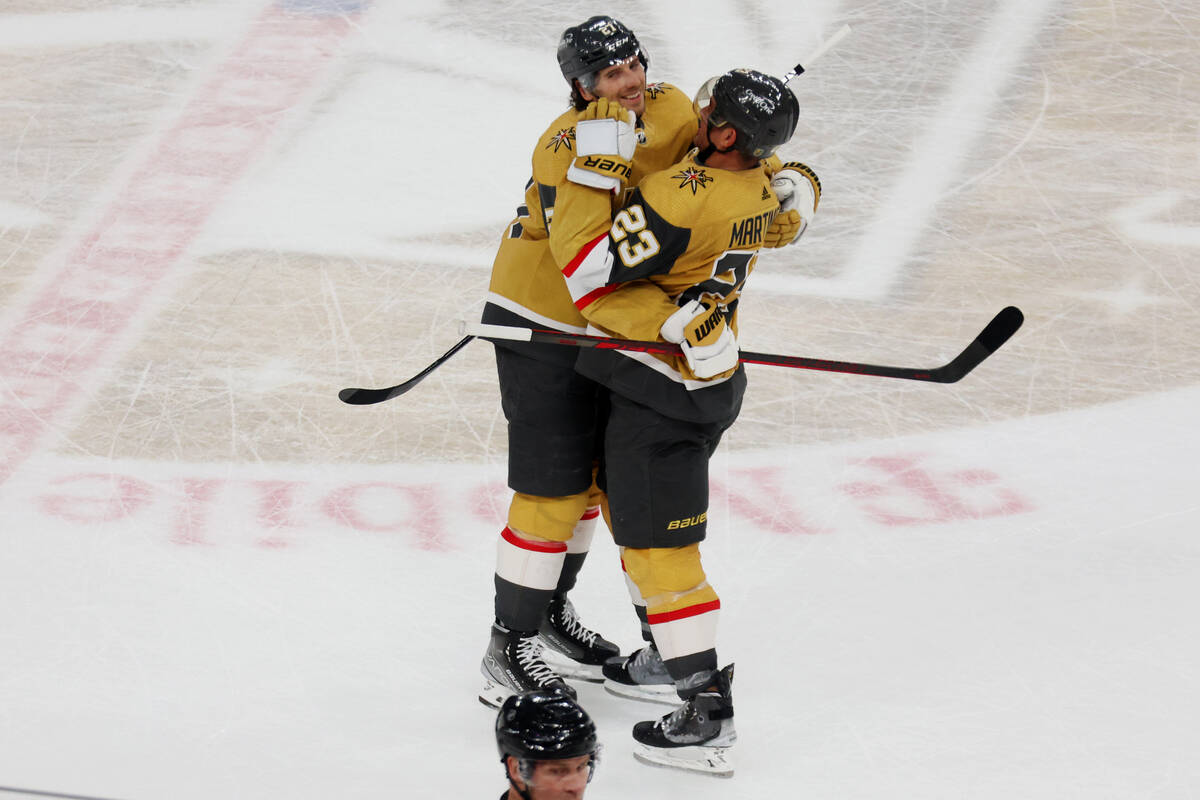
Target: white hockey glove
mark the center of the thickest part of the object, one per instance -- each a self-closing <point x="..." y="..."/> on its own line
<point x="798" y="190"/>
<point x="605" y="139"/>
<point x="699" y="328"/>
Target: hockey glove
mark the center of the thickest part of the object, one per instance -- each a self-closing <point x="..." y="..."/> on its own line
<point x="784" y="229"/>
<point x="604" y="143"/>
<point x="699" y="328"/>
<point x="798" y="190"/>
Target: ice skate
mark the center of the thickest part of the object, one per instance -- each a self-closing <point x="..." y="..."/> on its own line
<point x="697" y="736"/>
<point x="513" y="664"/>
<point x="571" y="649"/>
<point x="641" y="676"/>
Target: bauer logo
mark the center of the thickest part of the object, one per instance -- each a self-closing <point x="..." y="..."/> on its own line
<point x="687" y="522"/>
<point x="606" y="165"/>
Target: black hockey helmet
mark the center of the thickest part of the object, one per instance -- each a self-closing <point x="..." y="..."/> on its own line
<point x="595" y="44"/>
<point x="760" y="107"/>
<point x="544" y="726"/>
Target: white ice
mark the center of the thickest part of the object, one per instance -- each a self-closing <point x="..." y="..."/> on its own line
<point x="220" y="582"/>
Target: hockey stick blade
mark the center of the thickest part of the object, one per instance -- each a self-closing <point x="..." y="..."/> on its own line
<point x="997" y="332"/>
<point x="368" y="397"/>
<point x="989" y="340"/>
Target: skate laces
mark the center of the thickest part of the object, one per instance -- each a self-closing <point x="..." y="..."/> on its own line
<point x="574" y="627"/>
<point x="646" y="667"/>
<point x="529" y="656"/>
<point x="689" y="724"/>
<point x="681" y="725"/>
<point x="646" y="657"/>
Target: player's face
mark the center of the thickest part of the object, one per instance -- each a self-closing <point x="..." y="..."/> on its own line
<point x="701" y="138"/>
<point x="625" y="83"/>
<point x="563" y="779"/>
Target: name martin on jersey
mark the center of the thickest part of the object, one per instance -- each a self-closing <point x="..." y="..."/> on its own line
<point x="748" y="232"/>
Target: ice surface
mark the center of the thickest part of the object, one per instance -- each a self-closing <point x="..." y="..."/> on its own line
<point x="220" y="582"/>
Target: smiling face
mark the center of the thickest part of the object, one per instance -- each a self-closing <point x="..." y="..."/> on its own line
<point x="624" y="82"/>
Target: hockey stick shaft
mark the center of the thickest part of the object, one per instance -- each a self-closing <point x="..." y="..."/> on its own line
<point x="821" y="50"/>
<point x="997" y="332"/>
<point x="42" y="793"/>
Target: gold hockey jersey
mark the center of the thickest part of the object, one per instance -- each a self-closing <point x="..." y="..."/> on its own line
<point x="526" y="286"/>
<point x="686" y="232"/>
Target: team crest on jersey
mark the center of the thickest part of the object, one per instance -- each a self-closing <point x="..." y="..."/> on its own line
<point x="694" y="178"/>
<point x="653" y="90"/>
<point x="563" y="138"/>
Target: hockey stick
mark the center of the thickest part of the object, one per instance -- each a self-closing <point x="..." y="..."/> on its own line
<point x="367" y="397"/>
<point x="42" y="793"/>
<point x="997" y="332"/>
<point x="823" y="48"/>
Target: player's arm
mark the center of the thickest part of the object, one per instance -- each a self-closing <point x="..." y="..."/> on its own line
<point x="640" y="246"/>
<point x="551" y="157"/>
<point x="604" y="145"/>
<point x="637" y="244"/>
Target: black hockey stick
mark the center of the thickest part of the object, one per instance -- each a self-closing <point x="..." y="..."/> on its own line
<point x="367" y="397"/>
<point x="42" y="793"/>
<point x="997" y="332"/>
<point x="825" y="46"/>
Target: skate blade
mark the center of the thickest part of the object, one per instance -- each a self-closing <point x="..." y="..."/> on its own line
<point x="662" y="693"/>
<point x="714" y="761"/>
<point x="493" y="694"/>
<point x="570" y="668"/>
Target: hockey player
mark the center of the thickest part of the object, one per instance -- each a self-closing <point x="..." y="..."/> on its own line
<point x="548" y="746"/>
<point x="671" y="263"/>
<point x="552" y="411"/>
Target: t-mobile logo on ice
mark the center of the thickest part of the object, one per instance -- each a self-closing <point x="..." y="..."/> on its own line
<point x="299" y="507"/>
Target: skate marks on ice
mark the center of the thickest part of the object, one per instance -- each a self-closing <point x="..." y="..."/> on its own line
<point x="973" y="476"/>
<point x="98" y="286"/>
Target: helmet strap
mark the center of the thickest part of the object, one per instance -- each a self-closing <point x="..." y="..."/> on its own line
<point x="709" y="149"/>
<point x="526" y="772"/>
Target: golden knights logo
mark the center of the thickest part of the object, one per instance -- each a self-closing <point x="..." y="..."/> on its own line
<point x="692" y="177"/>
<point x="562" y="139"/>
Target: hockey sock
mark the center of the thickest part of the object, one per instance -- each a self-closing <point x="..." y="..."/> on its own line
<point x="527" y="573"/>
<point x="686" y="640"/>
<point x="639" y="604"/>
<point x="577" y="550"/>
